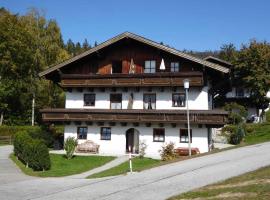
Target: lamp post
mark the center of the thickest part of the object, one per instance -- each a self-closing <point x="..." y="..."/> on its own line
<point x="186" y="87"/>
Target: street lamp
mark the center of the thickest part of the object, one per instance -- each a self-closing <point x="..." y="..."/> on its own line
<point x="186" y="87"/>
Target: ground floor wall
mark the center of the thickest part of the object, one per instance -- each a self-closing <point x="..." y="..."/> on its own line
<point x="117" y="144"/>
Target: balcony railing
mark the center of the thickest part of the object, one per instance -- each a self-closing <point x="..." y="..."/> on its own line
<point x="131" y="80"/>
<point x="208" y="117"/>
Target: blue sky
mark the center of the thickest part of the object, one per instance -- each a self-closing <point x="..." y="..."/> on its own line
<point x="184" y="24"/>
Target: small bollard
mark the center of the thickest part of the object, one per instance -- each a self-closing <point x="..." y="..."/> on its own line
<point x="130" y="160"/>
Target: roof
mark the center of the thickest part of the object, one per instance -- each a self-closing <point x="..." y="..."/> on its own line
<point x="208" y="58"/>
<point x="140" y="39"/>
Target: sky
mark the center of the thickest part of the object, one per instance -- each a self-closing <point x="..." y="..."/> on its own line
<point x="183" y="24"/>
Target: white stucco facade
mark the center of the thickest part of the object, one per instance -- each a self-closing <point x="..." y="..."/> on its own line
<point x="117" y="144"/>
<point x="198" y="98"/>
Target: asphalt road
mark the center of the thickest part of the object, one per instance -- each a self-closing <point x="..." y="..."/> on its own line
<point x="157" y="183"/>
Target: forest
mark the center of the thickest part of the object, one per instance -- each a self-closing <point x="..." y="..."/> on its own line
<point x="31" y="43"/>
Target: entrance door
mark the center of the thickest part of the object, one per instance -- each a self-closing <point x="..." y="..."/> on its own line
<point x="132" y="140"/>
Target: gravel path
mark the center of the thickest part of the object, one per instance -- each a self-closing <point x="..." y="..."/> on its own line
<point x="157" y="183"/>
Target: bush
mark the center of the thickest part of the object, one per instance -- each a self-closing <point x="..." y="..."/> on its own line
<point x="249" y="128"/>
<point x="236" y="113"/>
<point x="167" y="152"/>
<point x="267" y="114"/>
<point x="32" y="152"/>
<point x="20" y="142"/>
<point x="12" y="130"/>
<point x="142" y="149"/>
<point x="39" y="156"/>
<point x="69" y="146"/>
<point x="48" y="134"/>
<point x="237" y="136"/>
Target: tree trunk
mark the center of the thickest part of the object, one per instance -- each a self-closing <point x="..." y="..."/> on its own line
<point x="1" y="118"/>
<point x="33" y="110"/>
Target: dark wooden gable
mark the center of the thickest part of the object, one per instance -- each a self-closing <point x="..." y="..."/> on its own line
<point x="121" y="53"/>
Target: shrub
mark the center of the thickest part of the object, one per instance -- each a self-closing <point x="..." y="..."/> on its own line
<point x="12" y="130"/>
<point x="236" y="113"/>
<point x="167" y="152"/>
<point x="32" y="152"/>
<point x="267" y="114"/>
<point x="69" y="146"/>
<point x="39" y="156"/>
<point x="249" y="128"/>
<point x="237" y="136"/>
<point x="142" y="148"/>
<point x="20" y="142"/>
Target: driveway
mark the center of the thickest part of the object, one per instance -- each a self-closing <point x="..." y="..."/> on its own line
<point x="9" y="172"/>
<point x="156" y="183"/>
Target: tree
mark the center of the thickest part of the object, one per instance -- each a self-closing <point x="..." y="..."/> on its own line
<point x="28" y="44"/>
<point x="228" y="52"/>
<point x="70" y="47"/>
<point x="85" y="45"/>
<point x="252" y="68"/>
<point x="78" y="48"/>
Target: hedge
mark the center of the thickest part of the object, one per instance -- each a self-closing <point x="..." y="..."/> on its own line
<point x="48" y="134"/>
<point x="12" y="130"/>
<point x="32" y="152"/>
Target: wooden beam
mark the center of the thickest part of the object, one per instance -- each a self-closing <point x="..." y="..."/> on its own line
<point x="100" y="123"/>
<point x="135" y="124"/>
<point x="90" y="89"/>
<point x="78" y="122"/>
<point x="125" y="89"/>
<point x="102" y="89"/>
<point x="112" y="123"/>
<point x="123" y="123"/>
<point x="173" y="125"/>
<point x="89" y="123"/>
<point x="79" y="89"/>
<point x="161" y="125"/>
<point x="148" y="124"/>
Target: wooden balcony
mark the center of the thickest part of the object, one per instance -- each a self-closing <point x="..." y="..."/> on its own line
<point x="131" y="80"/>
<point x="212" y="118"/>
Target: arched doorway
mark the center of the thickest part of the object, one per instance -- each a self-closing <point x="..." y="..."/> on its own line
<point x="132" y="140"/>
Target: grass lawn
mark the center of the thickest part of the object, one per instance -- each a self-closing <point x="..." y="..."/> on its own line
<point x="261" y="133"/>
<point x="253" y="185"/>
<point x="60" y="166"/>
<point x="138" y="164"/>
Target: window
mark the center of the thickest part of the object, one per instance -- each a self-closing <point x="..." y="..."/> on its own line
<point x="239" y="92"/>
<point x="116" y="101"/>
<point x="116" y="66"/>
<point x="105" y="133"/>
<point x="178" y="100"/>
<point x="184" y="135"/>
<point x="89" y="99"/>
<point x="150" y="66"/>
<point x="82" y="133"/>
<point x="158" y="134"/>
<point x="149" y="101"/>
<point x="174" y="66"/>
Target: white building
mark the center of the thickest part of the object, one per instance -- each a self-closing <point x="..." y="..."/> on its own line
<point x="119" y="94"/>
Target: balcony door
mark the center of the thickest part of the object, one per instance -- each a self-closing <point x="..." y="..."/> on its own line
<point x="149" y="101"/>
<point x="116" y="101"/>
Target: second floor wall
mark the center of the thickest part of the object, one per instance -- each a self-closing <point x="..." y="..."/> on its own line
<point x="155" y="98"/>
